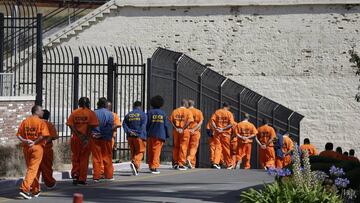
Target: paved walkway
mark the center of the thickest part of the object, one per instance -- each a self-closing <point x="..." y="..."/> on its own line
<point x="198" y="185"/>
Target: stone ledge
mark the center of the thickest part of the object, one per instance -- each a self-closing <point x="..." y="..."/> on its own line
<point x="17" y="98"/>
<point x="184" y="3"/>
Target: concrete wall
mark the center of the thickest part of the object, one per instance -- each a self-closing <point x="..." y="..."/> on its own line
<point x="296" y="55"/>
<point x="13" y="110"/>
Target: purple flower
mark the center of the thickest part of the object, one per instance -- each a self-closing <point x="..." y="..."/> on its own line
<point x="336" y="171"/>
<point x="272" y="171"/>
<point x="279" y="172"/>
<point x="287" y="172"/>
<point x="342" y="182"/>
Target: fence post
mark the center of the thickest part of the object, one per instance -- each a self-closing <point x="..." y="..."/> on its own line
<point x="288" y="123"/>
<point x="220" y="92"/>
<point x="110" y="82"/>
<point x="175" y="99"/>
<point x="240" y="103"/>
<point x="39" y="60"/>
<point x="273" y="115"/>
<point x="148" y="86"/>
<point x="76" y="82"/>
<point x="1" y="52"/>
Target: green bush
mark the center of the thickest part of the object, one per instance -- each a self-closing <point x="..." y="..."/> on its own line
<point x="12" y="162"/>
<point x="289" y="191"/>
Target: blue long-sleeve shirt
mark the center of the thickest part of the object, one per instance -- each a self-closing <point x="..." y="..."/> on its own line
<point x="158" y="124"/>
<point x="106" y="123"/>
<point x="135" y="121"/>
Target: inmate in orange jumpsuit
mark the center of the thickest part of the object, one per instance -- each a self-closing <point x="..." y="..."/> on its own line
<point x="48" y="157"/>
<point x="181" y="117"/>
<point x="330" y="154"/>
<point x="194" y="137"/>
<point x="117" y="124"/>
<point x="245" y="129"/>
<point x="32" y="128"/>
<point x="288" y="146"/>
<point x="266" y="135"/>
<point x="223" y="118"/>
<point x="211" y="142"/>
<point x="234" y="154"/>
<point x="309" y="148"/>
<point x="82" y="120"/>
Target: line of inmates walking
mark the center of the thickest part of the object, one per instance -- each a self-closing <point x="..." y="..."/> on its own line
<point x="94" y="132"/>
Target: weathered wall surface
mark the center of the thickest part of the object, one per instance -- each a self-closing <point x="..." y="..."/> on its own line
<point x="13" y="110"/>
<point x="295" y="55"/>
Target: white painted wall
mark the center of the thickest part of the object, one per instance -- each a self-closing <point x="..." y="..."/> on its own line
<point x="295" y="55"/>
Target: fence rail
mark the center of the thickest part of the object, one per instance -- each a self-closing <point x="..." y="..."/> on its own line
<point x="7" y="84"/>
<point x="175" y="76"/>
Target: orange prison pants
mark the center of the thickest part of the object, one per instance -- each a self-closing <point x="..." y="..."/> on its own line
<point x="279" y="162"/>
<point x="244" y="151"/>
<point x="79" y="158"/>
<point x="102" y="154"/>
<point x="234" y="153"/>
<point x="214" y="150"/>
<point x="181" y="143"/>
<point x="222" y="141"/>
<point x="287" y="160"/>
<point x="33" y="156"/>
<point x="47" y="164"/>
<point x="154" y="151"/>
<point x="137" y="150"/>
<point x="267" y="157"/>
<point x="193" y="147"/>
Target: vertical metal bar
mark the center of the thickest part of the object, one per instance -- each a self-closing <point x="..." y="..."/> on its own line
<point x="1" y="52"/>
<point x="39" y="60"/>
<point x="76" y="82"/>
<point x="240" y="104"/>
<point x="143" y="82"/>
<point x="149" y="78"/>
<point x="110" y="82"/>
<point x="288" y="123"/>
<point x="176" y="93"/>
<point x="257" y="112"/>
<point x="273" y="114"/>
<point x="221" y="92"/>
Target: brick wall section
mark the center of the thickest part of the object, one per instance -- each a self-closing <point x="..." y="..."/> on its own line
<point x="12" y="111"/>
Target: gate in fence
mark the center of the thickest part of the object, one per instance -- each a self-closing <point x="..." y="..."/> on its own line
<point x="175" y="76"/>
<point x="67" y="74"/>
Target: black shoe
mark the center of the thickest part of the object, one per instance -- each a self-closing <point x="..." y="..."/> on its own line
<point x="25" y="195"/>
<point x="175" y="166"/>
<point x="182" y="168"/>
<point x="133" y="169"/>
<point x="154" y="171"/>
<point x="75" y="181"/>
<point x="188" y="164"/>
<point x="81" y="183"/>
<point x="215" y="166"/>
<point x="36" y="194"/>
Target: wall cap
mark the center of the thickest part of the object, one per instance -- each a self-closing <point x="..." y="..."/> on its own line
<point x="17" y="98"/>
<point x="182" y="3"/>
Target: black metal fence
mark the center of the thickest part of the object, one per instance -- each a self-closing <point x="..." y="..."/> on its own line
<point x="117" y="73"/>
<point x="175" y="76"/>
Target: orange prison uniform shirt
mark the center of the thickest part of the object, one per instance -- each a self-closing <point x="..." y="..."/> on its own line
<point x="352" y="158"/>
<point x="330" y="154"/>
<point x="32" y="128"/>
<point x="310" y="148"/>
<point x="288" y="145"/>
<point x="245" y="129"/>
<point x="179" y="117"/>
<point x="48" y="157"/>
<point x="223" y="118"/>
<point x="195" y="137"/>
<point x="267" y="156"/>
<point x="82" y="119"/>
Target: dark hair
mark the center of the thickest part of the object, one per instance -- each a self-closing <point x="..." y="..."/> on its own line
<point x="191" y="102"/>
<point x="157" y="101"/>
<point x="306" y="141"/>
<point x="137" y="104"/>
<point x="35" y="108"/>
<point x="265" y="121"/>
<point x="351" y="152"/>
<point x="84" y="102"/>
<point x="346" y="153"/>
<point x="102" y="103"/>
<point x="329" y="146"/>
<point x="46" y="114"/>
<point x="184" y="102"/>
<point x="339" y="150"/>
<point x="225" y="104"/>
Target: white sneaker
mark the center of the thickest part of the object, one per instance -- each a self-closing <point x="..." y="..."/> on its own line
<point x="133" y="169"/>
<point x="36" y="195"/>
<point x="189" y="164"/>
<point x="230" y="167"/>
<point x="216" y="166"/>
<point x="25" y="195"/>
<point x="155" y="171"/>
<point x="182" y="168"/>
